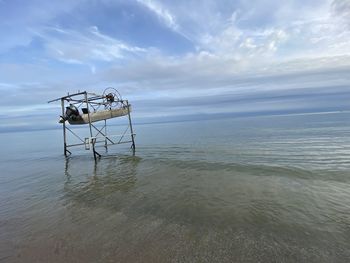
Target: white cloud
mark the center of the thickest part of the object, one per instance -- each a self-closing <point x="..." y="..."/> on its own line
<point x="257" y="30"/>
<point x="233" y="42"/>
<point x="18" y="18"/>
<point x="165" y="16"/>
<point x="81" y="47"/>
<point x="161" y="12"/>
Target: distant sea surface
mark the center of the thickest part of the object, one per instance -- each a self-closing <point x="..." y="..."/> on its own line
<point x="256" y="189"/>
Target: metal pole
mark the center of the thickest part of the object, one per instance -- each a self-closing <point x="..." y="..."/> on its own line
<point x="105" y="135"/>
<point x="131" y="130"/>
<point x="64" y="130"/>
<point x="93" y="142"/>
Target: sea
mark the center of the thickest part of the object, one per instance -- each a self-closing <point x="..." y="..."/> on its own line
<point x="252" y="189"/>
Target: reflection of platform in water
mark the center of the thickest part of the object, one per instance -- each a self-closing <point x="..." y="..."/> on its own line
<point x="94" y="108"/>
<point x="107" y="177"/>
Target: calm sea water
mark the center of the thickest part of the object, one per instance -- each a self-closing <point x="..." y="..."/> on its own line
<point x="262" y="189"/>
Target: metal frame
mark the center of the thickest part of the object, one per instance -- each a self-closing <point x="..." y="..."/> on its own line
<point x="94" y="101"/>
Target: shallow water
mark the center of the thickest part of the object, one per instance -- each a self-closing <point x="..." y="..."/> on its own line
<point x="262" y="189"/>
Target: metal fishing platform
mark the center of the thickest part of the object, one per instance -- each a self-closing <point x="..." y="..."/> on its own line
<point x="84" y="108"/>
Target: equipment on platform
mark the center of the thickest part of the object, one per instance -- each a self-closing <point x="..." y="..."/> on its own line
<point x="84" y="108"/>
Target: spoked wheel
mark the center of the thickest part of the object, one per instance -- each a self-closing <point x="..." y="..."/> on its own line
<point x="112" y="98"/>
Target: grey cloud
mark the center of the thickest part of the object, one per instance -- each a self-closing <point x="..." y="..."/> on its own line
<point x="302" y="93"/>
<point x="215" y="75"/>
<point x="303" y="100"/>
<point x="318" y="99"/>
<point x="342" y="8"/>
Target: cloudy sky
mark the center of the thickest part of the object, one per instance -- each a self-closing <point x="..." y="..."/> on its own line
<point x="175" y="59"/>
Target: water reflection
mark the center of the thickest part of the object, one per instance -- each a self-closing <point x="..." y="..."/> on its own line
<point x="101" y="182"/>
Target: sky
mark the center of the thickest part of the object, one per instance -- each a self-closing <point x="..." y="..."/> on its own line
<point x="174" y="60"/>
